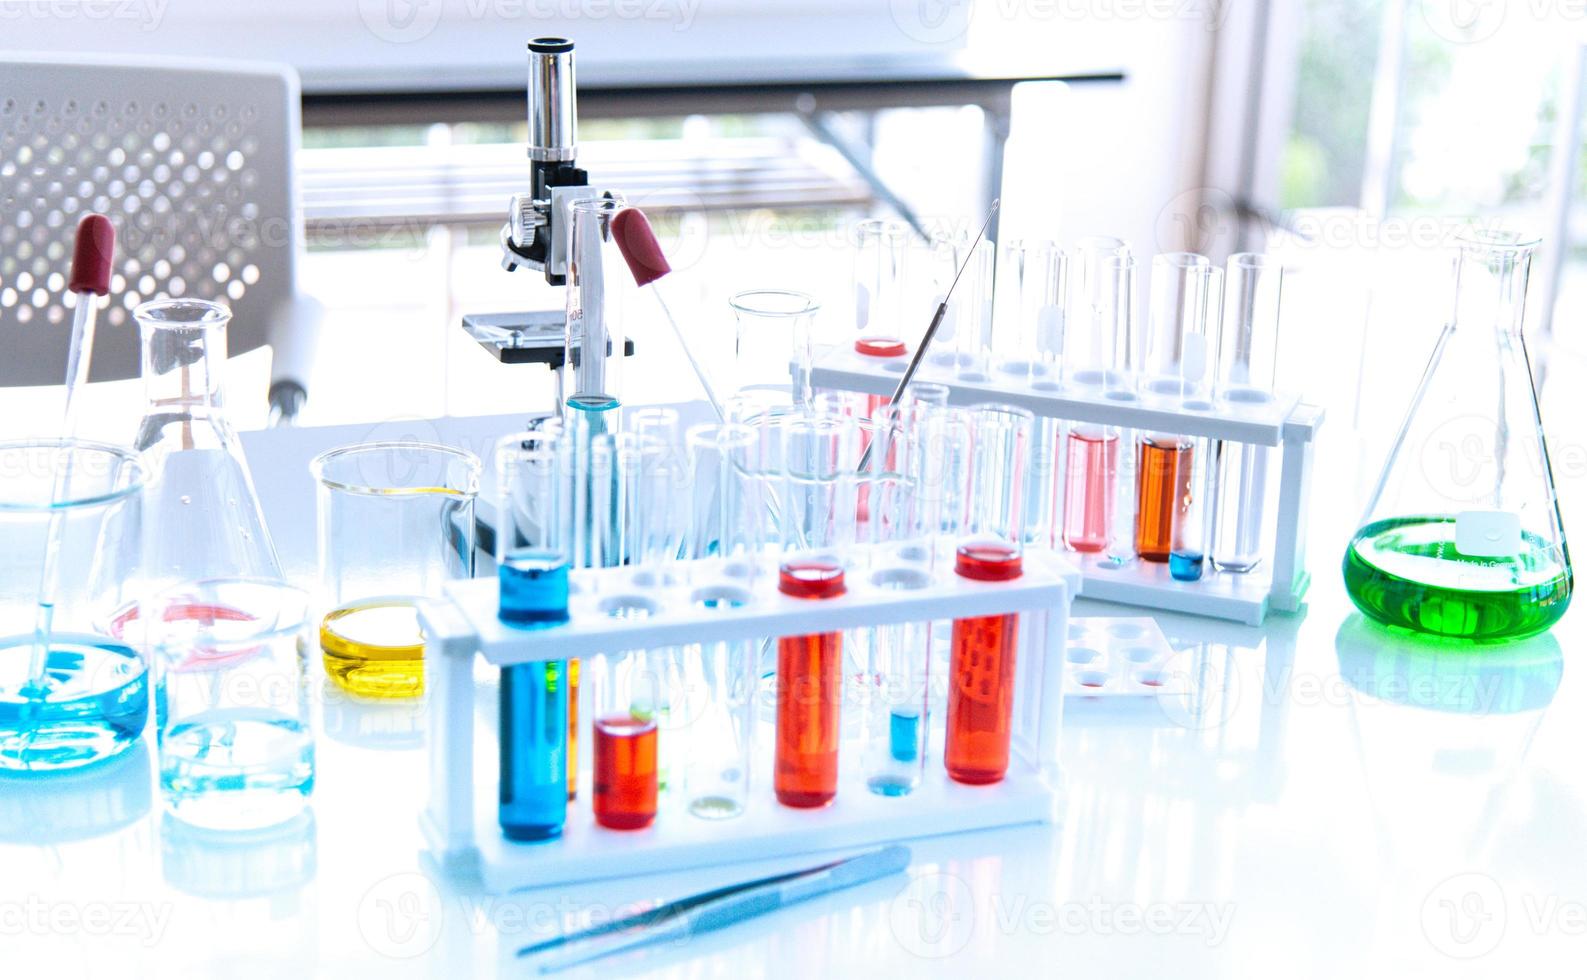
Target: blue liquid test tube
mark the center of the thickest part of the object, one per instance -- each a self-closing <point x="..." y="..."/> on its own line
<point x="533" y="574"/>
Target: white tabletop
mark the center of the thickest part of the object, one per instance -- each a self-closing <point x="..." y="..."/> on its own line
<point x="1292" y="824"/>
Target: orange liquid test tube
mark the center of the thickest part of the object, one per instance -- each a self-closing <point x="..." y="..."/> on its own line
<point x="981" y="674"/>
<point x="809" y="692"/>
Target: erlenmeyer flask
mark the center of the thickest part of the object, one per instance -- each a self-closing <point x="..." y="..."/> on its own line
<point x="203" y="518"/>
<point x="1462" y="536"/>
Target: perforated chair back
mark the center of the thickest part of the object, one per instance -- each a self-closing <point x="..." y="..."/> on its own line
<point x="192" y="162"/>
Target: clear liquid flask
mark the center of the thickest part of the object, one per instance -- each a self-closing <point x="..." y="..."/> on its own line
<point x="1462" y="535"/>
<point x="203" y="516"/>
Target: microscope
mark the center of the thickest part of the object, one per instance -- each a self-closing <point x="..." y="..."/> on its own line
<point x="539" y="223"/>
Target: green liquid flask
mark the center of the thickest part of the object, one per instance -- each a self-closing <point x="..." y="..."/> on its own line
<point x="1462" y="537"/>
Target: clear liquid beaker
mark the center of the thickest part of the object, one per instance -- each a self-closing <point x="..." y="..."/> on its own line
<point x="80" y="696"/>
<point x="395" y="522"/>
<point x="203" y="517"/>
<point x="773" y="342"/>
<point x="1462" y="535"/>
<point x="236" y="749"/>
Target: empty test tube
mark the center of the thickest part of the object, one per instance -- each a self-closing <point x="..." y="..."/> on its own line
<point x="1247" y="365"/>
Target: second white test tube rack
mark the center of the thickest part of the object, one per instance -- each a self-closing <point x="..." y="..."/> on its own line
<point x="1266" y="419"/>
<point x="460" y="819"/>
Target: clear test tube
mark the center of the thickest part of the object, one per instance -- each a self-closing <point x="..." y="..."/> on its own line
<point x="1099" y="356"/>
<point x="819" y="509"/>
<point x="1039" y="271"/>
<point x="965" y="334"/>
<point x="1179" y="352"/>
<point x="1192" y="531"/>
<point x="715" y="720"/>
<point x="1247" y="366"/>
<point x="981" y="670"/>
<point x="809" y="692"/>
<point x="880" y="280"/>
<point x="897" y="658"/>
<point x="531" y="555"/>
<point x="597" y="289"/>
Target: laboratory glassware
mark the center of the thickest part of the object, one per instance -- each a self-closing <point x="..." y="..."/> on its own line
<point x="203" y="517"/>
<point x="1247" y="366"/>
<point x="597" y="294"/>
<point x="880" y="283"/>
<point x="625" y="699"/>
<point x="719" y="678"/>
<point x="1192" y="532"/>
<point x="981" y="671"/>
<point x="1099" y="355"/>
<point x="773" y="335"/>
<point x="964" y="283"/>
<point x="1462" y="537"/>
<point x="1179" y="352"/>
<point x="534" y="513"/>
<point x="395" y="523"/>
<point x="897" y="657"/>
<point x="235" y="743"/>
<point x="820" y="491"/>
<point x="809" y="691"/>
<point x="86" y="698"/>
<point x="1039" y="271"/>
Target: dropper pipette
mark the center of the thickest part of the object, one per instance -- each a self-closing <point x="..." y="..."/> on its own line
<point x="90" y="279"/>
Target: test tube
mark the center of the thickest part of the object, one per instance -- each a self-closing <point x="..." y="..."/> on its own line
<point x="1098" y="356"/>
<point x="1039" y="269"/>
<point x="964" y="336"/>
<point x="880" y="264"/>
<point x="720" y="677"/>
<point x="625" y="700"/>
<point x="598" y="283"/>
<point x="1247" y="366"/>
<point x="896" y="658"/>
<point x="819" y="510"/>
<point x="1193" y="525"/>
<point x="809" y="692"/>
<point x="981" y="673"/>
<point x="531" y="537"/>
<point x="1178" y="353"/>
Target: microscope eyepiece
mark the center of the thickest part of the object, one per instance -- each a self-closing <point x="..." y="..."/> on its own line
<point x="553" y="114"/>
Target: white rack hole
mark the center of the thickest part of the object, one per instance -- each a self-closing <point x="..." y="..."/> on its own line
<point x="1046" y="384"/>
<point x="1141" y="654"/>
<point x="1127" y="631"/>
<point x="1151" y="677"/>
<point x="721" y="596"/>
<point x="1092" y="679"/>
<point x="628" y="607"/>
<point x="900" y="579"/>
<point x="1248" y="396"/>
<point x="1081" y="655"/>
<point x="896" y="367"/>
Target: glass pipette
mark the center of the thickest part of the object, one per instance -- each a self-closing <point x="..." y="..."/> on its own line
<point x="91" y="267"/>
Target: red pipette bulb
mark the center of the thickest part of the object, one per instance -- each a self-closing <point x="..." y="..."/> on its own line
<point x="632" y="233"/>
<point x="93" y="255"/>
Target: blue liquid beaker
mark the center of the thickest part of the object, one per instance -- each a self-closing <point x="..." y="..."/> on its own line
<point x="71" y="694"/>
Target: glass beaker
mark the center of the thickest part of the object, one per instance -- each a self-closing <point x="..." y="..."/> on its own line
<point x="597" y="287"/>
<point x="773" y="338"/>
<point x="395" y="521"/>
<point x="1462" y="535"/>
<point x="80" y="696"/>
<point x="204" y="519"/>
<point x="236" y="749"/>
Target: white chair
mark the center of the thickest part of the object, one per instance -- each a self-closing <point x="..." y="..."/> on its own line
<point x="194" y="164"/>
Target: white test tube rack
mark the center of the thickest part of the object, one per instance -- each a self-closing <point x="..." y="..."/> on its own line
<point x="1266" y="419"/>
<point x="460" y="818"/>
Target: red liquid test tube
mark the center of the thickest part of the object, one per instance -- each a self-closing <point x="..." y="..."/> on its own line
<point x="809" y="693"/>
<point x="625" y="771"/>
<point x="981" y="674"/>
